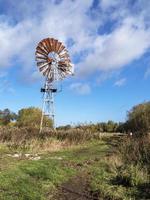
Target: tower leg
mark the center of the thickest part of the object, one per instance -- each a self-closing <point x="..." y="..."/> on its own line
<point x="42" y="117"/>
<point x="48" y="104"/>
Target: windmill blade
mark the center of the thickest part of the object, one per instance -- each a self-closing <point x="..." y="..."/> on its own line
<point x="52" y="44"/>
<point x="63" y="51"/>
<point x="47" y="71"/>
<point x="43" y="47"/>
<point x="65" y="60"/>
<point x="48" y="45"/>
<point x="60" y="63"/>
<point x="41" y="50"/>
<point x="55" y="44"/>
<point x="43" y="68"/>
<point x="65" y="55"/>
<point x="40" y="58"/>
<point x="43" y="65"/>
<point x="52" y="53"/>
<point x="39" y="64"/>
<point x="63" y="65"/>
<point x="58" y="46"/>
<point x="41" y="55"/>
<point x="62" y="68"/>
<point x="62" y="47"/>
<point x="38" y="51"/>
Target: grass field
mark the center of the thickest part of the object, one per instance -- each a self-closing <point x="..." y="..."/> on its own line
<point x="91" y="170"/>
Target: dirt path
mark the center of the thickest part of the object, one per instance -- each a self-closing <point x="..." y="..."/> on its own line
<point x="76" y="188"/>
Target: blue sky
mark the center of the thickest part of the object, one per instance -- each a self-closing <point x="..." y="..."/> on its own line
<point x="109" y="44"/>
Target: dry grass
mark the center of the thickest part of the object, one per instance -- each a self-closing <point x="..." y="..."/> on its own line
<point x="135" y="150"/>
<point x="30" y="139"/>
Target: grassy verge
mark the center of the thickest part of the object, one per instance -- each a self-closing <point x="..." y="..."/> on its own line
<point x="94" y="164"/>
<point x="24" y="178"/>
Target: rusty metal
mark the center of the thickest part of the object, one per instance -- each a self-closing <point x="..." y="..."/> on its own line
<point x="44" y="60"/>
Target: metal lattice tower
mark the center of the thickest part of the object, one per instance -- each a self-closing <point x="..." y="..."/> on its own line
<point x="54" y="62"/>
<point x="48" y="103"/>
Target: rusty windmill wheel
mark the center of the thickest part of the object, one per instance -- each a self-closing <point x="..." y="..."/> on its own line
<point x="53" y="59"/>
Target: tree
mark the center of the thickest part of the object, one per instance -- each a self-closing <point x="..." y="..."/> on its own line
<point x="111" y="126"/>
<point x="121" y="127"/>
<point x="139" y="118"/>
<point x="32" y="117"/>
<point x="6" y="116"/>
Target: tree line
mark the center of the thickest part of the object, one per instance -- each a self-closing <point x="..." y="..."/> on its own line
<point x="24" y="118"/>
<point x="138" y="120"/>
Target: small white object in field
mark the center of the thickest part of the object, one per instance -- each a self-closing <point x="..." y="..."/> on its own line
<point x="56" y="158"/>
<point x="131" y="133"/>
<point x="36" y="158"/>
<point x="27" y="155"/>
<point x="16" y="155"/>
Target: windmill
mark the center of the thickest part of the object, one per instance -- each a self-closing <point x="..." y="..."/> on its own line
<point x="54" y="63"/>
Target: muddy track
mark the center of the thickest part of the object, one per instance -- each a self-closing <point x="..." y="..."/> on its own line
<point x="76" y="188"/>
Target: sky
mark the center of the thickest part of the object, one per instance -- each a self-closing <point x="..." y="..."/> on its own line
<point x="109" y="45"/>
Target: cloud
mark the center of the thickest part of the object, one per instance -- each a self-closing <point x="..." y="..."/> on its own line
<point x="105" y="4"/>
<point x="80" y="88"/>
<point x="18" y="40"/>
<point x="120" y="82"/>
<point x="22" y="26"/>
<point x="126" y="43"/>
<point x="147" y="73"/>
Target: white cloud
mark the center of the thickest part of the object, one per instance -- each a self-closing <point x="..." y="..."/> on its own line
<point x="120" y="82"/>
<point x="106" y="75"/>
<point x="113" y="51"/>
<point x="80" y="88"/>
<point x="18" y="41"/>
<point x="128" y="41"/>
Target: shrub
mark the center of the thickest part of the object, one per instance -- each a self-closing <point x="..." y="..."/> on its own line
<point x="135" y="150"/>
<point x="139" y="118"/>
<point x="6" y="116"/>
<point x="31" y="117"/>
<point x="131" y="175"/>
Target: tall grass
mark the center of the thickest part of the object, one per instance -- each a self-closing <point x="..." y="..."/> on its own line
<point x="135" y="150"/>
<point x="49" y="140"/>
<point x="134" y="172"/>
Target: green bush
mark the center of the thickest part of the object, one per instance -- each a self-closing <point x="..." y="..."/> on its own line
<point x="139" y="118"/>
<point x="131" y="175"/>
<point x="135" y="150"/>
<point x="32" y="117"/>
<point x="6" y="116"/>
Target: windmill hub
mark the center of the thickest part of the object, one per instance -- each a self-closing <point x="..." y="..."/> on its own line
<point x="54" y="63"/>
